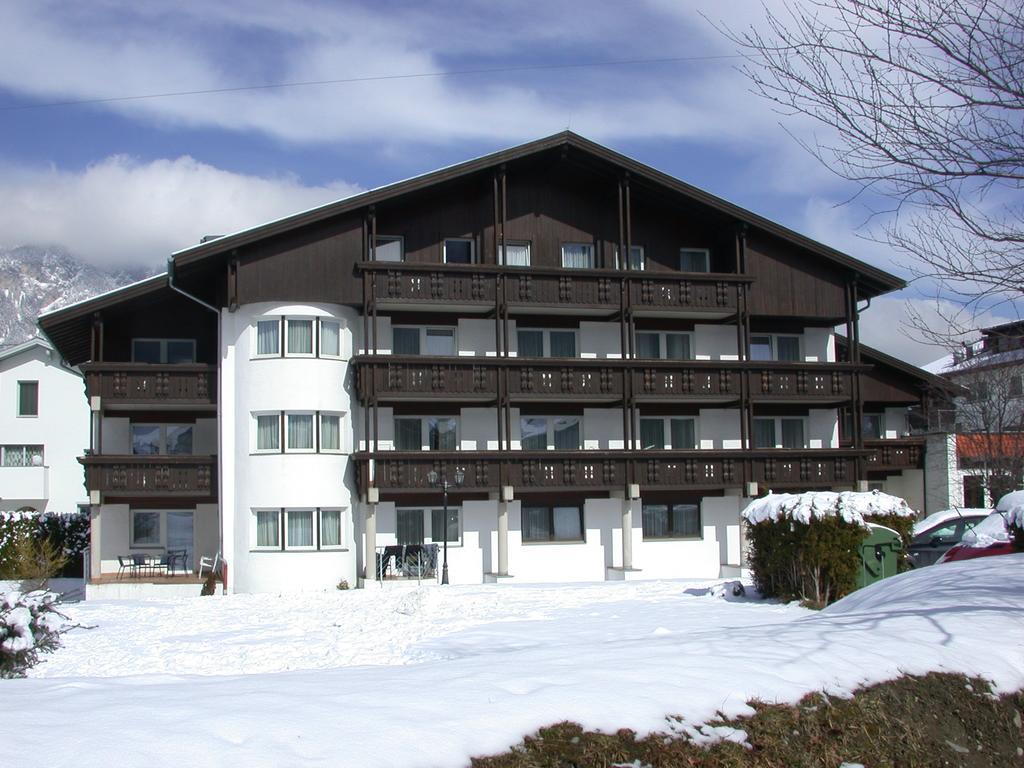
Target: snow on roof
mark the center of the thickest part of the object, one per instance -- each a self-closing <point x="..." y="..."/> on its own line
<point x="105" y="294"/>
<point x="939" y="366"/>
<point x="937" y="518"/>
<point x="852" y="506"/>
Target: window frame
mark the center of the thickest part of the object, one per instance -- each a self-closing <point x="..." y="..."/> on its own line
<point x="422" y="331"/>
<point x="707" y="259"/>
<point x="320" y="322"/>
<point x="546" y="342"/>
<point x="663" y="338"/>
<point x="132" y="538"/>
<point x="342" y="545"/>
<point x="277" y="512"/>
<point x="288" y="415"/>
<point x="163" y="349"/>
<point x="163" y="427"/>
<point x="473" y="252"/>
<point x="375" y="243"/>
<point x="313" y="340"/>
<point x="549" y="431"/>
<point x="666" y="421"/>
<point x="880" y="415"/>
<point x="427" y="521"/>
<point x="511" y="242"/>
<point x="24" y="450"/>
<point x="319" y="426"/>
<point x="550" y="508"/>
<point x="278" y="352"/>
<point x="672" y="535"/>
<point x="281" y="514"/>
<point x="313" y="520"/>
<point x="773" y="343"/>
<point x="424" y="422"/>
<point x="277" y="415"/>
<point x="777" y="421"/>
<point x="20" y="403"/>
<point x="575" y="243"/>
<point x="643" y="259"/>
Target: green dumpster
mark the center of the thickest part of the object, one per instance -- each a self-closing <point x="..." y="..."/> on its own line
<point x="879" y="555"/>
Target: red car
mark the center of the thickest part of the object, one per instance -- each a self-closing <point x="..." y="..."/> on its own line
<point x="988" y="538"/>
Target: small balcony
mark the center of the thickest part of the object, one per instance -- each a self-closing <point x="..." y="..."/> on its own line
<point x="151" y="476"/>
<point x="187" y="385"/>
<point x="801" y="382"/>
<point x="595" y="292"/>
<point x="602" y="471"/>
<point x="895" y="455"/>
<point x="25" y="484"/>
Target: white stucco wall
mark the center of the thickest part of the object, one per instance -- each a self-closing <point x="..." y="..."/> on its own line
<point x="62" y="428"/>
<point x="285" y="480"/>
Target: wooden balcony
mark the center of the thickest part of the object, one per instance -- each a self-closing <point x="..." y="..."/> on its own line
<point x="895" y="455"/>
<point x="394" y="377"/>
<point x="602" y="471"/>
<point x="151" y="476"/>
<point x="448" y="287"/>
<point x="147" y="384"/>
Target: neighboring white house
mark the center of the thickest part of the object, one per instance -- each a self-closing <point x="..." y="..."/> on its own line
<point x="44" y="428"/>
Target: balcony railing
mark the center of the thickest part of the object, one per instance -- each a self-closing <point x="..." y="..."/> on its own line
<point x="610" y="470"/>
<point x="151" y="384"/>
<point x="596" y="290"/>
<point x="409" y="377"/>
<point x="151" y="476"/>
<point x="895" y="455"/>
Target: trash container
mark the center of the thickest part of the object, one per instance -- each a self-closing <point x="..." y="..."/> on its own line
<point x="879" y="554"/>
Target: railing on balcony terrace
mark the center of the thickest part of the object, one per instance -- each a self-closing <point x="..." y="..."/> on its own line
<point x="608" y="470"/>
<point x="151" y="384"/>
<point x="151" y="476"/>
<point x="590" y="289"/>
<point x="405" y="377"/>
<point x="895" y="455"/>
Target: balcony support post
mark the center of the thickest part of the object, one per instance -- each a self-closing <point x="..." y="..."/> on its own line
<point x="370" y="531"/>
<point x="502" y="537"/>
<point x="627" y="532"/>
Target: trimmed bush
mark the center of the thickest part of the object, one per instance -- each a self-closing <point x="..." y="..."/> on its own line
<point x="30" y="625"/>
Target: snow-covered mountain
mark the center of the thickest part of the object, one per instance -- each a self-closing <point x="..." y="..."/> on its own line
<point x="36" y="279"/>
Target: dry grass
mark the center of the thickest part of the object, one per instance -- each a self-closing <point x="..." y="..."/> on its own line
<point x="934" y="720"/>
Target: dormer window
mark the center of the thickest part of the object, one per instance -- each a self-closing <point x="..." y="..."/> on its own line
<point x="459" y="250"/>
<point x="577" y="256"/>
<point x="694" y="260"/>
<point x="388" y="248"/>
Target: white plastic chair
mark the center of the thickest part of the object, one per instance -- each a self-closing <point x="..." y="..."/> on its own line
<point x="212" y="564"/>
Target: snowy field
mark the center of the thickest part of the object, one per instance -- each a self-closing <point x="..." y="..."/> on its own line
<point x="432" y="676"/>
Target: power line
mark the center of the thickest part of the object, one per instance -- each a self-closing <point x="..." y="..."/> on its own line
<point x="373" y="78"/>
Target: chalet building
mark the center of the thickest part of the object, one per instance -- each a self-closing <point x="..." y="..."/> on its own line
<point x="602" y="362"/>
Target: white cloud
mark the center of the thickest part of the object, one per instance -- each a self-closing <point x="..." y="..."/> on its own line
<point x="121" y="212"/>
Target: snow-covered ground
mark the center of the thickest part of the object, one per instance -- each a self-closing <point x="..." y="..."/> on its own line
<point x="432" y="676"/>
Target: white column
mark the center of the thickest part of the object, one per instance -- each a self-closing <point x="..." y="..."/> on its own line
<point x="503" y="538"/>
<point x="627" y="533"/>
<point x="95" y="538"/>
<point x="370" y="531"/>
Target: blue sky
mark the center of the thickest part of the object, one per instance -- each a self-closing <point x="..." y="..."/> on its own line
<point x="127" y="182"/>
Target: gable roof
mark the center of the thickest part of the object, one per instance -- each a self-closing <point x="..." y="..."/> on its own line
<point x="902" y="366"/>
<point x="878" y="279"/>
<point x="16" y="349"/>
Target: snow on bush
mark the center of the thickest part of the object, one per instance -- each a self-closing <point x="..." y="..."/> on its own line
<point x="851" y="506"/>
<point x="30" y="624"/>
<point x="40" y="546"/>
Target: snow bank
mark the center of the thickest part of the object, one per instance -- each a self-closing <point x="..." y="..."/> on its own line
<point x="852" y="506"/>
<point x="471" y="670"/>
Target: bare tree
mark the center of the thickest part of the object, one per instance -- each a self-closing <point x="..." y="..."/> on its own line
<point x="924" y="102"/>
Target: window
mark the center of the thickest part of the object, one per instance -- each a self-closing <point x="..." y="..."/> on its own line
<point x="767" y="431"/>
<point x="459" y="250"/>
<point x="330" y="528"/>
<point x="300" y="337"/>
<point x="437" y="525"/>
<point x="268" y="338"/>
<point x="694" y="260"/>
<point x="330" y="432"/>
<point x="430" y="341"/>
<point x="167" y="351"/>
<point x="671" y="521"/>
<point x="145" y="529"/>
<point x="431" y="433"/>
<point x="766" y="347"/>
<point x="636" y="257"/>
<point x="682" y="433"/>
<point x="552" y="524"/>
<point x="514" y="253"/>
<point x="28" y="398"/>
<point x="873" y="426"/>
<point x="539" y="433"/>
<point x="300" y="432"/>
<point x="388" y="248"/>
<point x="268" y="432"/>
<point x="409" y="526"/>
<point x="577" y="256"/>
<point x="330" y="338"/>
<point x="162" y="439"/>
<point x="21" y="455"/>
<point x="538" y="343"/>
<point x="655" y="345"/>
<point x="268" y="529"/>
<point x="298" y="528"/>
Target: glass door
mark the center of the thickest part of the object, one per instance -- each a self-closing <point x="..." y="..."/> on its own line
<point x="181" y="535"/>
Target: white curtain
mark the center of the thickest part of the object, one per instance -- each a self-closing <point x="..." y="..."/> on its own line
<point x="330" y="432"/>
<point x="300" y="528"/>
<point x="300" y="337"/>
<point x="267" y="522"/>
<point x="330" y="338"/>
<point x="567" y="433"/>
<point x="535" y="524"/>
<point x="677" y="346"/>
<point x="655" y="520"/>
<point x="578" y="256"/>
<point x="300" y="432"/>
<point x="267" y="333"/>
<point x="531" y="343"/>
<point x="516" y="255"/>
<point x="330" y="528"/>
<point x="268" y="432"/>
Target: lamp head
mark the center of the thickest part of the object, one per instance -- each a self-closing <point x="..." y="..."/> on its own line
<point x="460" y="476"/>
<point x="433" y="477"/>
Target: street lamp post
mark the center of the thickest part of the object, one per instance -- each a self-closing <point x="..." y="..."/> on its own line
<point x="442" y="481"/>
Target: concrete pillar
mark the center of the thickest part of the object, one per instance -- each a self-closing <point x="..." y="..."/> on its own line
<point x="370" y="531"/>
<point x="627" y="534"/>
<point x="503" y="538"/>
<point x="95" y="553"/>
